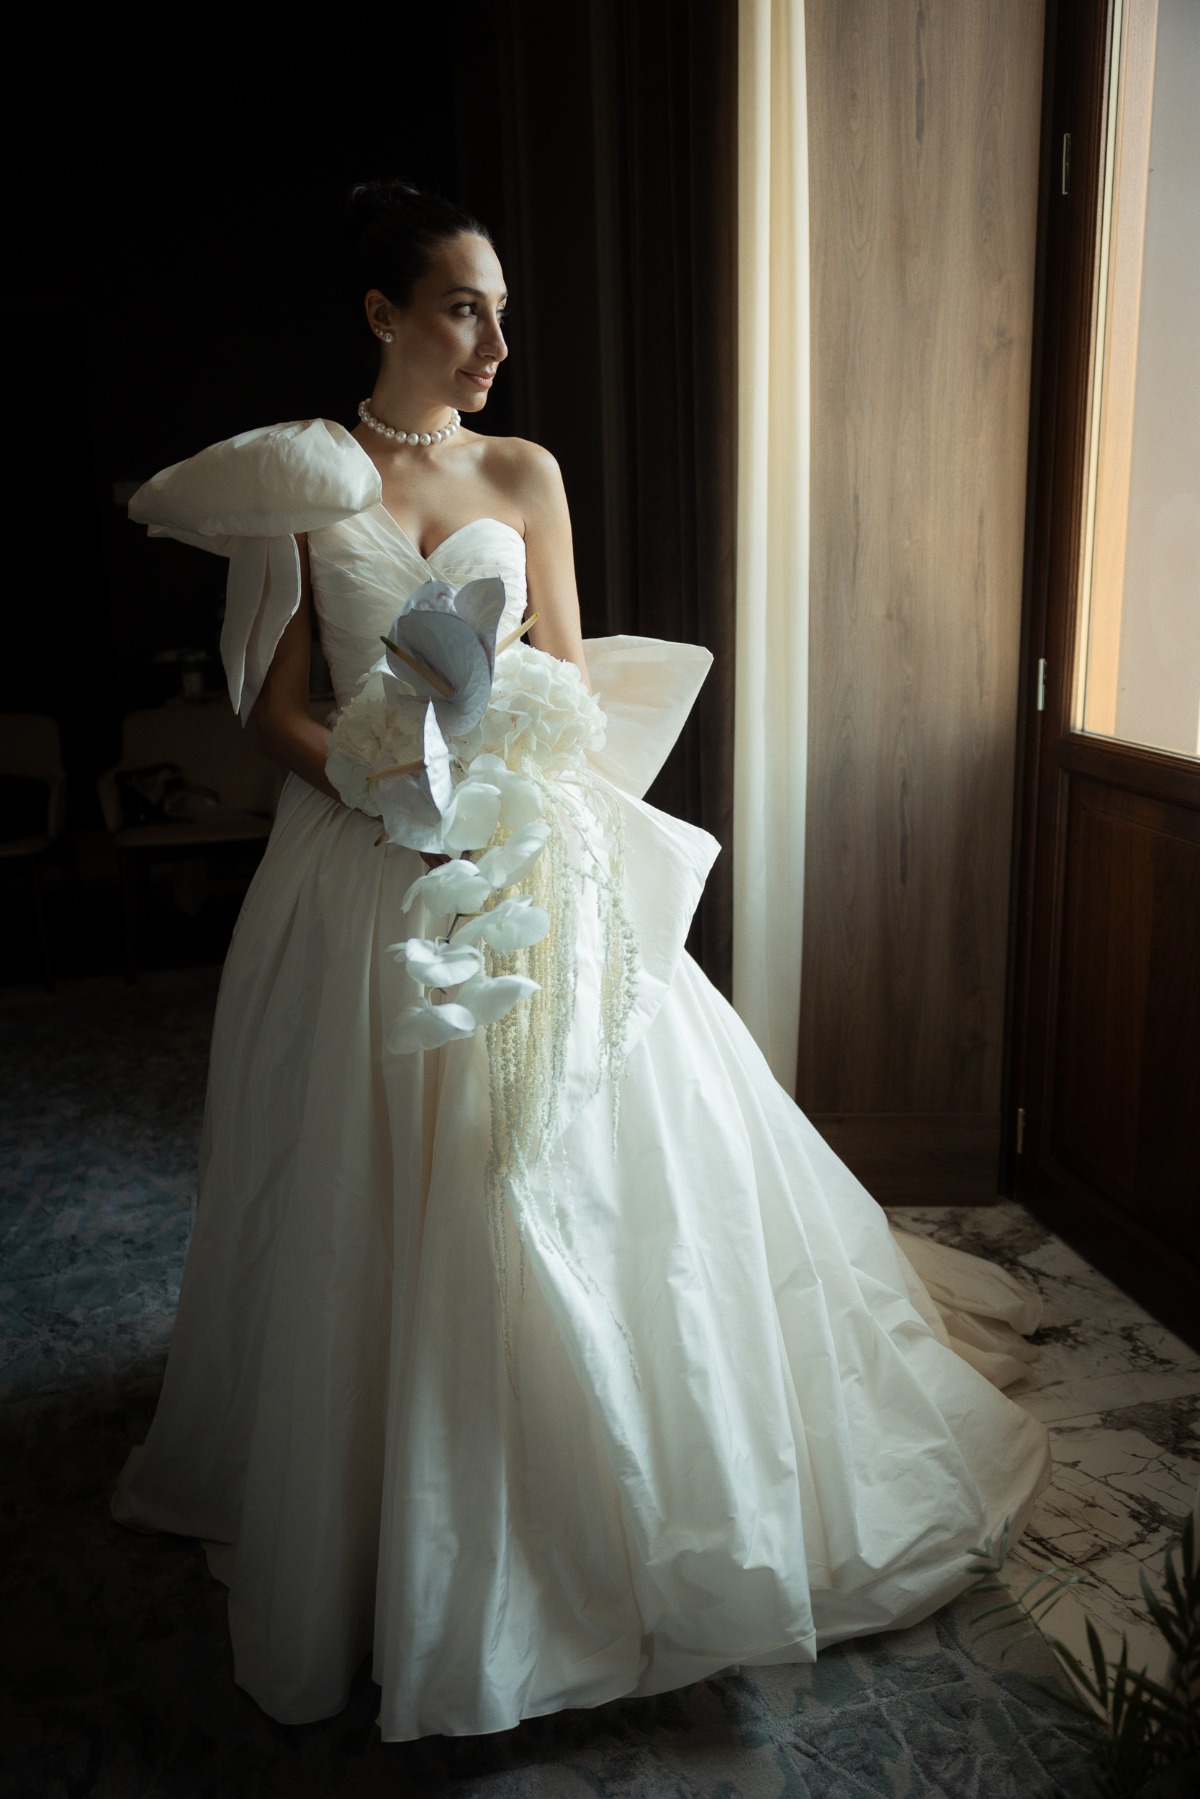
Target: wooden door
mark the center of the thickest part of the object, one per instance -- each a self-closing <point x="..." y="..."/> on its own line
<point x="1104" y="1086"/>
<point x="923" y="132"/>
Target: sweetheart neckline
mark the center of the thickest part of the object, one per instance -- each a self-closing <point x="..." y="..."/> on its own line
<point x="483" y="519"/>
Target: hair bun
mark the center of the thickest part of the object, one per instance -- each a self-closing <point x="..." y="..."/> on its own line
<point x="366" y="195"/>
<point x="393" y="228"/>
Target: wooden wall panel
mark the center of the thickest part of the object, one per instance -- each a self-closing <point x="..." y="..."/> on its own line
<point x="1123" y="1114"/>
<point x="923" y="140"/>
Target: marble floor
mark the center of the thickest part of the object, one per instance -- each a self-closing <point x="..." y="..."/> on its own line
<point x="1121" y="1398"/>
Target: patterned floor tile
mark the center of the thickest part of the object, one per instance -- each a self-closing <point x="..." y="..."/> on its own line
<point x="1121" y="1396"/>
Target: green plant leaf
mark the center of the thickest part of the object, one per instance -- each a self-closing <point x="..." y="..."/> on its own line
<point x="1129" y="1724"/>
<point x="1049" y="1599"/>
<point x="992" y="1551"/>
<point x="1007" y="1605"/>
<point x="1099" y="1664"/>
<point x="1079" y="1674"/>
<point x="1166" y="1695"/>
<point x="1024" y="1637"/>
<point x="1172" y="1619"/>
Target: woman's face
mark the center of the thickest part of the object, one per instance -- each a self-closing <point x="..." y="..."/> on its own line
<point x="448" y="340"/>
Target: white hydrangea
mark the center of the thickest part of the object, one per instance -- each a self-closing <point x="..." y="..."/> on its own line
<point x="382" y="727"/>
<point x="539" y="711"/>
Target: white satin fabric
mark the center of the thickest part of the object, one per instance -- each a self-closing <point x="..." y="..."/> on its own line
<point x="245" y="499"/>
<point x="731" y="1428"/>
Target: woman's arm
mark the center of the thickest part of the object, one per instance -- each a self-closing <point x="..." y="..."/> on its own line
<point x="550" y="559"/>
<point x="286" y="728"/>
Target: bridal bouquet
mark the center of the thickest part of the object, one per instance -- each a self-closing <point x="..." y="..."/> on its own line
<point x="474" y="751"/>
<point x="450" y="743"/>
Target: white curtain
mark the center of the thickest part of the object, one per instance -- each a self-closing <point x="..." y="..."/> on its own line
<point x="771" y="704"/>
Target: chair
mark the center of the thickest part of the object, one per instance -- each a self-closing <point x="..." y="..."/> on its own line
<point x="30" y="759"/>
<point x="205" y="741"/>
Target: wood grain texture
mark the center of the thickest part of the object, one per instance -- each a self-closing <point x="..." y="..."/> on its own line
<point x="923" y="145"/>
<point x="918" y="1159"/>
<point x="1123" y="1106"/>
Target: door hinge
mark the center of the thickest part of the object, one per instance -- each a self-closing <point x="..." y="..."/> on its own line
<point x="1041" y="687"/>
<point x="1020" y="1129"/>
<point x="1066" y="162"/>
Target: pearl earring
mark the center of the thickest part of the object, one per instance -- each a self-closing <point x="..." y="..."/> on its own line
<point x="384" y="336"/>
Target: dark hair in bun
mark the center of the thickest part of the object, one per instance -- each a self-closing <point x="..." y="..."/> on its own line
<point x="393" y="230"/>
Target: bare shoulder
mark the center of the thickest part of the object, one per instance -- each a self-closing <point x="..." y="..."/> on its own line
<point x="526" y="473"/>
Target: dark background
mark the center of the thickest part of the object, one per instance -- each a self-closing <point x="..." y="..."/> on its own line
<point x="180" y="282"/>
<point x="178" y="279"/>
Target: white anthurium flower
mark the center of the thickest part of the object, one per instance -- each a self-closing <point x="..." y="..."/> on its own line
<point x="513" y="924"/>
<point x="489" y="997"/>
<point x="452" y="634"/>
<point x="412" y="806"/>
<point x="433" y="963"/>
<point x="481" y="603"/>
<point x="471" y="816"/>
<point x="422" y="1026"/>
<point x="456" y="886"/>
<point x="513" y="858"/>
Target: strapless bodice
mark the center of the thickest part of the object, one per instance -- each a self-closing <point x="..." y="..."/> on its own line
<point x="365" y="567"/>
<point x="250" y="497"/>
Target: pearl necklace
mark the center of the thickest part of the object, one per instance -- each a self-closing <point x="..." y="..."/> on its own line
<point x="408" y="437"/>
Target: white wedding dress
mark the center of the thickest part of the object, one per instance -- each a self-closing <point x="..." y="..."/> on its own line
<point x="729" y="1427"/>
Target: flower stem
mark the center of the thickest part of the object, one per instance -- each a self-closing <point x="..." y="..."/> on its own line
<point x="399" y="768"/>
<point x="507" y="642"/>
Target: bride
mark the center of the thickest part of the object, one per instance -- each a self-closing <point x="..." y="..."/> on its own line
<point x="676" y="1399"/>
